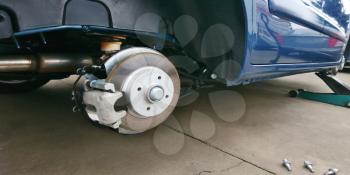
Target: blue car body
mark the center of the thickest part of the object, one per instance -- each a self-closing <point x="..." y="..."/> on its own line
<point x="294" y="36"/>
<point x="281" y="38"/>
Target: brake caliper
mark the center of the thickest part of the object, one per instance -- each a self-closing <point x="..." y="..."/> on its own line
<point x="99" y="99"/>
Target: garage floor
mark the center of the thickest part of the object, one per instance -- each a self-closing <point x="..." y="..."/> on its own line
<point x="242" y="130"/>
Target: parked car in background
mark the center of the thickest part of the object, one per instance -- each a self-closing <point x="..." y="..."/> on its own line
<point x="138" y="56"/>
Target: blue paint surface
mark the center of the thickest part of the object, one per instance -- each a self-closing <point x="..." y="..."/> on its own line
<point x="293" y="36"/>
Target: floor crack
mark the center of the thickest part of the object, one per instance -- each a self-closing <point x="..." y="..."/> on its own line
<point x="221" y="150"/>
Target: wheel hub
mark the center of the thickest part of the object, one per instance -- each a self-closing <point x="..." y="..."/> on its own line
<point x="156" y="94"/>
<point x="149" y="90"/>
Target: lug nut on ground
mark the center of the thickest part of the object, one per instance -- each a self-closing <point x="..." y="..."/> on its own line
<point x="287" y="165"/>
<point x="332" y="171"/>
<point x="308" y="165"/>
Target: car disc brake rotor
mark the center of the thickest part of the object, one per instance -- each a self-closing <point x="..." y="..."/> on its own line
<point x="150" y="84"/>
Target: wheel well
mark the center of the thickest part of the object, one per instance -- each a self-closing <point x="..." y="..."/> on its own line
<point x="220" y="40"/>
<point x="218" y="44"/>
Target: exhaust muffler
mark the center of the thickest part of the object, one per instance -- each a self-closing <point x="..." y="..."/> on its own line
<point x="44" y="63"/>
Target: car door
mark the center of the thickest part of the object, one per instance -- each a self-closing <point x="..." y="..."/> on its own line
<point x="300" y="31"/>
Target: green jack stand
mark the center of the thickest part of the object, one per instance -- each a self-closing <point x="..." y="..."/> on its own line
<point x="340" y="97"/>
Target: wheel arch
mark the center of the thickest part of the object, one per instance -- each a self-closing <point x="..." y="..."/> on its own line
<point x="125" y="14"/>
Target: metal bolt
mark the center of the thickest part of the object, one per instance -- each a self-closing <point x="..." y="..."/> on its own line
<point x="93" y="83"/>
<point x="76" y="109"/>
<point x="308" y="165"/>
<point x="287" y="165"/>
<point x="156" y="94"/>
<point x="332" y="171"/>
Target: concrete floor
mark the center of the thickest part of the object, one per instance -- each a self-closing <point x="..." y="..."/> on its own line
<point x="242" y="130"/>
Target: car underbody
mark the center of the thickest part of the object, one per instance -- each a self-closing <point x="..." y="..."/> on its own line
<point x="138" y="57"/>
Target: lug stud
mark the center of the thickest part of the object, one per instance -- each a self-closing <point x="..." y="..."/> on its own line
<point x="287" y="165"/>
<point x="308" y="165"/>
<point x="332" y="171"/>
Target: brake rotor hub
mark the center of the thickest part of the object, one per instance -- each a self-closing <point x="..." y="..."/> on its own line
<point x="149" y="91"/>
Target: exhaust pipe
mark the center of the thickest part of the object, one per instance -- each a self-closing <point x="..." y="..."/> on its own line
<point x="16" y="64"/>
<point x="44" y="63"/>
